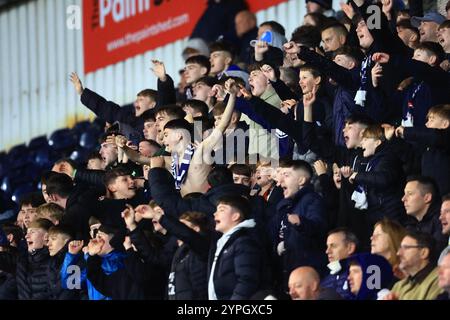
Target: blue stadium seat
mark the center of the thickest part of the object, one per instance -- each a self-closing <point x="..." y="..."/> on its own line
<point x="21" y="190"/>
<point x="89" y="139"/>
<point x="81" y="127"/>
<point x="62" y="139"/>
<point x="80" y="155"/>
<point x="38" y="142"/>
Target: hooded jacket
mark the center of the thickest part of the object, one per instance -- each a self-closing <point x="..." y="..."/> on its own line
<point x="376" y="274"/>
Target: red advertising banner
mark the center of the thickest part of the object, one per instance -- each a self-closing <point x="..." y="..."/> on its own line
<point x="115" y="30"/>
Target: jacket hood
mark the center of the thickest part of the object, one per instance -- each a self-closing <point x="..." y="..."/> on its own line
<point x="377" y="274"/>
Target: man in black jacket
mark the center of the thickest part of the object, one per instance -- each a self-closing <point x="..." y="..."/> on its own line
<point x="79" y="203"/>
<point x="58" y="238"/>
<point x="131" y="116"/>
<point x="31" y="273"/>
<point x="422" y="204"/>
<point x="236" y="266"/>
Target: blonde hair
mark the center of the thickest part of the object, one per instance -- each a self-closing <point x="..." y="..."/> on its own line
<point x="375" y="132"/>
<point x="440" y="110"/>
<point x="50" y="211"/>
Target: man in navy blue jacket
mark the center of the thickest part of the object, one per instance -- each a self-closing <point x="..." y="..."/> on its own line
<point x="302" y="221"/>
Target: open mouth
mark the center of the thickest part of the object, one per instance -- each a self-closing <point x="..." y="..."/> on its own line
<point x="30" y="243"/>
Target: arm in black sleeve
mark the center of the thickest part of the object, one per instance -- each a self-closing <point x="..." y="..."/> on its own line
<point x="166" y="92"/>
<point x="91" y="177"/>
<point x="434" y="76"/>
<point x="196" y="241"/>
<point x="439" y="138"/>
<point x="283" y="90"/>
<point x="339" y="74"/>
<point x="277" y="119"/>
<point x="107" y="110"/>
<point x="162" y="189"/>
<point x="145" y="249"/>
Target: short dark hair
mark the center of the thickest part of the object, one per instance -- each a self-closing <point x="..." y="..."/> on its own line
<point x="60" y="184"/>
<point x="312" y="69"/>
<point x="172" y="110"/>
<point x="339" y="27"/>
<point x="199" y="219"/>
<point x="299" y="165"/>
<point x="15" y="231"/>
<point x="149" y="116"/>
<point x="275" y="26"/>
<point x="239" y="203"/>
<point x="62" y="229"/>
<point x="308" y="36"/>
<point x="241" y="169"/>
<point x="434" y="49"/>
<point x="447" y="6"/>
<point x="349" y="236"/>
<point x="426" y="185"/>
<point x="46" y="175"/>
<point x="179" y="124"/>
<point x="152" y="143"/>
<point x="111" y="175"/>
<point x="200" y="60"/>
<point x="35" y="199"/>
<point x="219" y="175"/>
<point x="318" y="18"/>
<point x="351" y="52"/>
<point x="209" y="81"/>
<point x="149" y="93"/>
<point x="222" y="46"/>
<point x="424" y="240"/>
<point x="198" y="106"/>
<point x="446" y="197"/>
<point x="406" y="24"/>
<point x="359" y="118"/>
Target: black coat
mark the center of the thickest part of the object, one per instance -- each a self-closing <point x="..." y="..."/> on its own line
<point x="431" y="225"/>
<point x="156" y="251"/>
<point x="384" y="183"/>
<point x="187" y="279"/>
<point x="8" y="286"/>
<point x="123" y="284"/>
<point x="80" y="206"/>
<point x="436" y="157"/>
<point x="112" y="112"/>
<point x="31" y="275"/>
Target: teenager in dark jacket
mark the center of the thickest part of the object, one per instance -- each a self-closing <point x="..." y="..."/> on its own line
<point x="131" y="115"/>
<point x="237" y="268"/>
<point x="58" y="238"/>
<point x="301" y="221"/>
<point x="31" y="273"/>
<point x="435" y="141"/>
<point x="187" y="278"/>
<point x="430" y="82"/>
<point x="156" y="250"/>
<point x="125" y="283"/>
<point x="378" y="187"/>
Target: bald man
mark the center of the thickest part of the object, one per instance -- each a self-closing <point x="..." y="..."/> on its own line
<point x="304" y="284"/>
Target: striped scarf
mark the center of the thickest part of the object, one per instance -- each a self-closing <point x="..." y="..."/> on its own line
<point x="179" y="170"/>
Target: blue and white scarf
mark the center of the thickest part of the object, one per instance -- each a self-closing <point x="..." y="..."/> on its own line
<point x="360" y="97"/>
<point x="179" y="170"/>
<point x="408" y="114"/>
